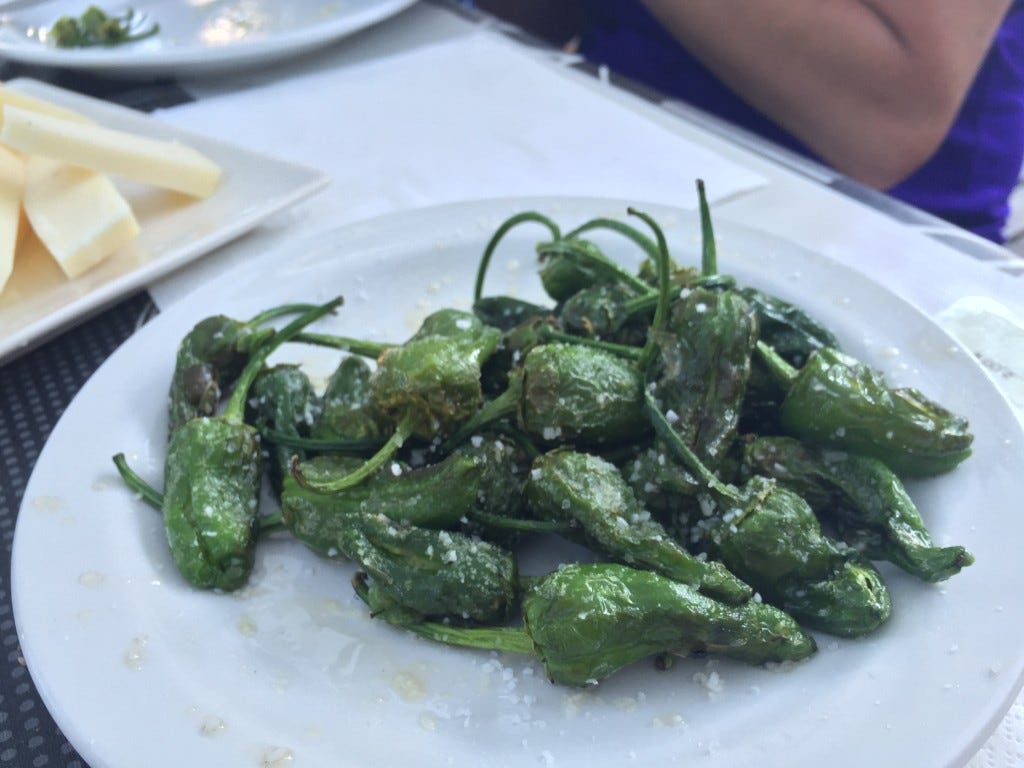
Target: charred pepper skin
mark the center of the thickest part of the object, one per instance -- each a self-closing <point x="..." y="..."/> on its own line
<point x="209" y="358"/>
<point x="589" y="492"/>
<point x="702" y="368"/>
<point x="572" y="392"/>
<point x="786" y="328"/>
<point x="434" y="378"/>
<point x="837" y="401"/>
<point x="506" y="312"/>
<point x="588" y="621"/>
<point x="863" y="498"/>
<point x="436" y="574"/>
<point x="774" y="542"/>
<point x="769" y="537"/>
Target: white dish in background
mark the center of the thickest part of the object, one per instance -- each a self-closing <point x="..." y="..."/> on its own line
<point x="293" y="668"/>
<point x="39" y="300"/>
<point x="195" y="36"/>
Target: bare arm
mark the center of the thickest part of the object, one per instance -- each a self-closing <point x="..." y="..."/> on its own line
<point x="872" y="86"/>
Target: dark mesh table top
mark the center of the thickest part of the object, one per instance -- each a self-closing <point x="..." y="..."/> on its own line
<point x="35" y="389"/>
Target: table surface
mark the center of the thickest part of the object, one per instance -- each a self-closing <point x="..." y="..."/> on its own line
<point x="37" y="386"/>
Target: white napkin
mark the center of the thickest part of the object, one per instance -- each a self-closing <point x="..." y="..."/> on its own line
<point x="475" y="117"/>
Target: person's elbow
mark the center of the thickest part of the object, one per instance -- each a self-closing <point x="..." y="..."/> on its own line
<point x="898" y="140"/>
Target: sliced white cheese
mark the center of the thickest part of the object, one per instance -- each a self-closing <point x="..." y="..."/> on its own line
<point x="78" y="214"/>
<point x="165" y="164"/>
<point x="10" y="96"/>
<point x="12" y="180"/>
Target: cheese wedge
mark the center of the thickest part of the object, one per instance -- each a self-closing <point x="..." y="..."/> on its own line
<point x="78" y="214"/>
<point x="12" y="180"/>
<point x="11" y="97"/>
<point x="165" y="164"/>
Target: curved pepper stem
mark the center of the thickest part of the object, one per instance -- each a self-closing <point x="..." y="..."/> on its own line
<point x="360" y="347"/>
<point x="497" y="237"/>
<point x="402" y="432"/>
<point x="275" y="312"/>
<point x="783" y="373"/>
<point x="681" y="450"/>
<point x="664" y="290"/>
<point x="647" y="245"/>
<point x="235" y="409"/>
<point x="503" y="405"/>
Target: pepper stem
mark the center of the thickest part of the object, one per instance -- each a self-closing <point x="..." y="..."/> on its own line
<point x="622" y="350"/>
<point x="275" y="312"/>
<point x="663" y="429"/>
<point x="351" y="445"/>
<point x="235" y="409"/>
<point x="146" y="492"/>
<point x="647" y="245"/>
<point x="508" y="639"/>
<point x="503" y="405"/>
<point x="709" y="252"/>
<point x="497" y="237"/>
<point x="371" y="349"/>
<point x="402" y="432"/>
<point x="784" y="373"/>
<point x="664" y="290"/>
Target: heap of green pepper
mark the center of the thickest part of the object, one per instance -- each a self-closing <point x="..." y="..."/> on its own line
<point x="734" y="474"/>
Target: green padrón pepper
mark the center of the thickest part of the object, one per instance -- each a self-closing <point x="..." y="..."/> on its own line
<point x="838" y="401"/>
<point x="589" y="492"/>
<point x="212" y="474"/>
<point x="586" y="622"/>
<point x="863" y="498"/>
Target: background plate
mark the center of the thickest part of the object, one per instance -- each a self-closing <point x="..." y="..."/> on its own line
<point x="175" y="229"/>
<point x="139" y="669"/>
<point x="195" y="36"/>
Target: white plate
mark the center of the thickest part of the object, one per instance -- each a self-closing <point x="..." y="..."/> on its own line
<point x="139" y="669"/>
<point x="39" y="300"/>
<point x="195" y="36"/>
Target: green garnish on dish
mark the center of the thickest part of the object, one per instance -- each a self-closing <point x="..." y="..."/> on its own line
<point x="95" y="27"/>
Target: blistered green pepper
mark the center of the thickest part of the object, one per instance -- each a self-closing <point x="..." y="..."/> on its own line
<point x="590" y="492"/>
<point x="838" y="401"/>
<point x="346" y="409"/>
<point x="433" y="573"/>
<point x="426" y="387"/>
<point x="212" y="475"/>
<point x="770" y="538"/>
<point x="568" y="392"/>
<point x="863" y="498"/>
<point x="585" y="622"/>
<point x="506" y="312"/>
<point x="700" y="373"/>
<point x="210" y="357"/>
<point x="282" y="400"/>
<point x="434" y="496"/>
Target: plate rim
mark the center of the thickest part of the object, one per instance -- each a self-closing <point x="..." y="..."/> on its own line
<point x="201" y="58"/>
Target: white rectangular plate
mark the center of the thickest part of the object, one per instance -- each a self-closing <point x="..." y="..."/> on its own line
<point x="39" y="300"/>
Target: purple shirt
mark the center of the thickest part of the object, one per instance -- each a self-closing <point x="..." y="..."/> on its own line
<point x="967" y="181"/>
